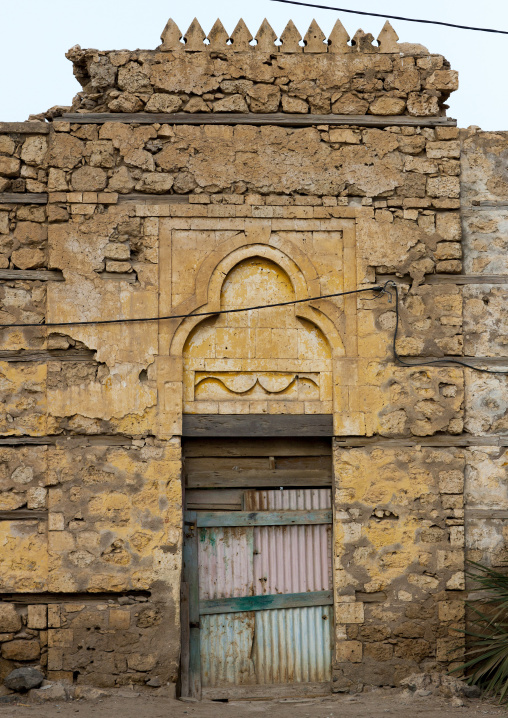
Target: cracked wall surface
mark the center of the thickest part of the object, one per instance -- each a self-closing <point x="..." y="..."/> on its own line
<point x="105" y="214"/>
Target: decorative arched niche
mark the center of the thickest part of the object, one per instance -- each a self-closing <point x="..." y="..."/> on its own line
<point x="275" y="360"/>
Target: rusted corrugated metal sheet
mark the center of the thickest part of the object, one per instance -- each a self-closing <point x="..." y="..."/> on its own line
<point x="293" y="645"/>
<point x="226" y="649"/>
<point x="267" y="646"/>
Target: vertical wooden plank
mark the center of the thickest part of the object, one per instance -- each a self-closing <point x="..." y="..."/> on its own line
<point x="184" y="654"/>
<point x="191" y="568"/>
<point x="335" y="533"/>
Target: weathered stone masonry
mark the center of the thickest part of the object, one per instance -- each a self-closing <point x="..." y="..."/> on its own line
<point x="359" y="177"/>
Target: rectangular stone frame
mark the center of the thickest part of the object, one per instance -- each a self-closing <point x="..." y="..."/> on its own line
<point x="348" y="420"/>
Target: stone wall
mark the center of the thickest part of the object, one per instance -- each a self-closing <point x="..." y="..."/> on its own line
<point x="106" y="644"/>
<point x="409" y="168"/>
<point x="298" y="75"/>
<point x="145" y="217"/>
<point x="485" y="202"/>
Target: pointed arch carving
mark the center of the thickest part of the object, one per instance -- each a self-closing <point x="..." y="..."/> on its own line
<point x="211" y="275"/>
<point x="292" y="260"/>
<point x="262" y="360"/>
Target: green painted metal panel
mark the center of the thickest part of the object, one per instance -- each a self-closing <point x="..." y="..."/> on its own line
<point x="261" y="603"/>
<point x="191" y="576"/>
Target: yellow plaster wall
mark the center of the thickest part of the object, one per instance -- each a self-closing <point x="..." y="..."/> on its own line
<point x="23" y="556"/>
<point x="115" y="517"/>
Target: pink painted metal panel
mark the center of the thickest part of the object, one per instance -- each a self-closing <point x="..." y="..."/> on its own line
<point x="225" y="558"/>
<point x="275" y="646"/>
<point x="292" y="559"/>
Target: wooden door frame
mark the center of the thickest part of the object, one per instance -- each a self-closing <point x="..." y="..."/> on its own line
<point x="213" y="427"/>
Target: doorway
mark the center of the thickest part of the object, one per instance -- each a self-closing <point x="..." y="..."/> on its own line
<point x="257" y="591"/>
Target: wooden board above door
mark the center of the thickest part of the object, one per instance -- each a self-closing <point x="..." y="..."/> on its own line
<point x="256" y="463"/>
<point x="252" y="425"/>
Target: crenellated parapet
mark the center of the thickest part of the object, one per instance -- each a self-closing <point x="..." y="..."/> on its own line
<point x="290" y="40"/>
<point x="242" y="73"/>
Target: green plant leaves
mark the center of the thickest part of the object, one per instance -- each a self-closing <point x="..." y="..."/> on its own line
<point x="488" y="645"/>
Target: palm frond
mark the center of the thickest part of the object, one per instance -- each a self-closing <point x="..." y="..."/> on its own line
<point x="487" y="653"/>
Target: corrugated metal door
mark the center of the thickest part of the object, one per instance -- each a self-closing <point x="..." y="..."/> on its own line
<point x="264" y="589"/>
<point x="292" y="644"/>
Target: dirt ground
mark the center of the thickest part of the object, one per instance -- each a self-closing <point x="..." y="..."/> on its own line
<point x="366" y="705"/>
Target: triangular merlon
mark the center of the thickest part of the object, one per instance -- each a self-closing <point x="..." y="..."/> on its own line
<point x="195" y="37"/>
<point x="241" y="38"/>
<point x="387" y="39"/>
<point x="291" y="39"/>
<point x="171" y="37"/>
<point x="315" y="39"/>
<point x="218" y="37"/>
<point x="266" y="37"/>
<point x="339" y="39"/>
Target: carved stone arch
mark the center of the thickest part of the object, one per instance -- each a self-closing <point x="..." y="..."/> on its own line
<point x="247" y="362"/>
<point x="275" y="255"/>
<point x="211" y="275"/>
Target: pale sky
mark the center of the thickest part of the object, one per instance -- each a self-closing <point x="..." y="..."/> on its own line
<point x="35" y="74"/>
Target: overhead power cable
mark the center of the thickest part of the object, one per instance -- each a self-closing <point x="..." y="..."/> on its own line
<point x="427" y="362"/>
<point x="380" y="291"/>
<point x="393" y="17"/>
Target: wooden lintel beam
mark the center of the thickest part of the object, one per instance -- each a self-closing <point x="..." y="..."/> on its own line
<point x="45" y="356"/>
<point x="257" y="425"/>
<point x="24" y="128"/>
<point x="41" y="275"/>
<point x="27" y="440"/>
<point x="458" y="279"/>
<point x="23" y="515"/>
<point x="65" y="441"/>
<point x="444" y="362"/>
<point x="287" y="477"/>
<point x="23" y="198"/>
<point x="256" y="447"/>
<point x="54" y="275"/>
<point x="258" y="478"/>
<point x="48" y="597"/>
<point x="440" y="440"/>
<point x="253" y="118"/>
<point x="70" y="441"/>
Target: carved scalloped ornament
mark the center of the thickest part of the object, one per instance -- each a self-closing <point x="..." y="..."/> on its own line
<point x="244" y="385"/>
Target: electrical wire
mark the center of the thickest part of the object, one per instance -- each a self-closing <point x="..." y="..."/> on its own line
<point x="394" y="17"/>
<point x="380" y="289"/>
<point x="427" y="362"/>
